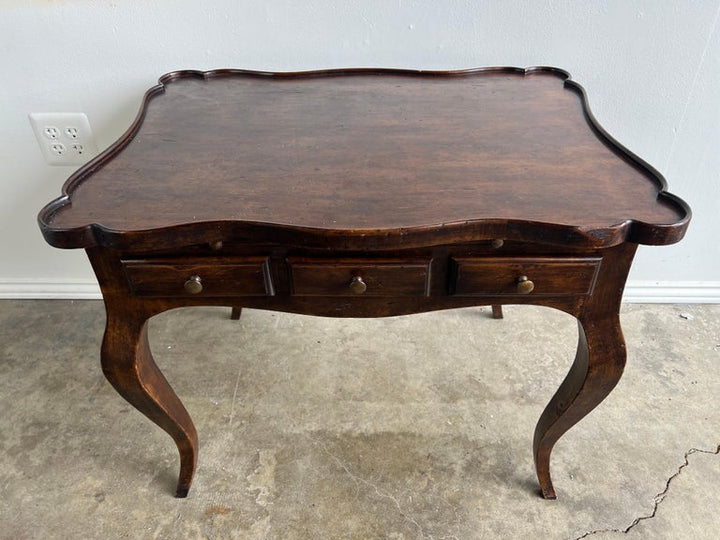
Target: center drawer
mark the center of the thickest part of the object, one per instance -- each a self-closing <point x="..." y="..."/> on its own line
<point x="247" y="276"/>
<point x="363" y="277"/>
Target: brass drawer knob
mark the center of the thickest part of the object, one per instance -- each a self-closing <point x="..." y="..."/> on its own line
<point x="497" y="243"/>
<point x="194" y="285"/>
<point x="357" y="285"/>
<point x="524" y="285"/>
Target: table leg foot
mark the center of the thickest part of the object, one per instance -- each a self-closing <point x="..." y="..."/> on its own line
<point x="129" y="366"/>
<point x="597" y="368"/>
<point x="235" y="313"/>
<point x="182" y="490"/>
<point x="497" y="312"/>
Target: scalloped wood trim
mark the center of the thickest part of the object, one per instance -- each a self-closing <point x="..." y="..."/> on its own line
<point x="631" y="231"/>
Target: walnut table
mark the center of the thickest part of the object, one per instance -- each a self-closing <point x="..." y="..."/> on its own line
<point x="364" y="193"/>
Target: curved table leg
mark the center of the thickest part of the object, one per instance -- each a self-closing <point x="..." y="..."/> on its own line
<point x="235" y="313"/>
<point x="597" y="368"/>
<point x="129" y="366"/>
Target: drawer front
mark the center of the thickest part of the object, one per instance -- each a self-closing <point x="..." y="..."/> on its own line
<point x="503" y="277"/>
<point x="359" y="277"/>
<point x="245" y="277"/>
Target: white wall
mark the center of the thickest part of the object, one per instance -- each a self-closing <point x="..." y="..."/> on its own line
<point x="651" y="69"/>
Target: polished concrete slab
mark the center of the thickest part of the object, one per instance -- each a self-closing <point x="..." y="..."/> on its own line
<point x="399" y="428"/>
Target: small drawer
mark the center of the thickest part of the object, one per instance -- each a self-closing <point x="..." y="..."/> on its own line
<point x="553" y="276"/>
<point x="347" y="277"/>
<point x="206" y="278"/>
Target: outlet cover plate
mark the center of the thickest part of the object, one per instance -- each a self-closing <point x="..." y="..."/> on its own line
<point x="64" y="138"/>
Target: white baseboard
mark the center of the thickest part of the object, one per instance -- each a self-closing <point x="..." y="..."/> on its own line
<point x="49" y="289"/>
<point x="636" y="292"/>
<point x="672" y="292"/>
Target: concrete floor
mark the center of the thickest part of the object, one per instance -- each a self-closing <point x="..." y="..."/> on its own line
<point x="400" y="428"/>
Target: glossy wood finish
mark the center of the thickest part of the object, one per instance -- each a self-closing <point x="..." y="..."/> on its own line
<point x="364" y="193"/>
<point x="598" y="364"/>
<point x="491" y="276"/>
<point x="288" y="157"/>
<point x="129" y="366"/>
<point x="215" y="277"/>
<point x="321" y="277"/>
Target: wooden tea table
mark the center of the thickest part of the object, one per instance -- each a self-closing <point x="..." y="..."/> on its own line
<point x="364" y="193"/>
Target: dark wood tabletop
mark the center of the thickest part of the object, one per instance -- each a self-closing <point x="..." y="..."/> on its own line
<point x="362" y="153"/>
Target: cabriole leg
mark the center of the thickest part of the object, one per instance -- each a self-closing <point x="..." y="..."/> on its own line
<point x="597" y="368"/>
<point x="129" y="366"/>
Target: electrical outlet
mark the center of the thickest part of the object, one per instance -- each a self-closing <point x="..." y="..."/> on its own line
<point x="64" y="138"/>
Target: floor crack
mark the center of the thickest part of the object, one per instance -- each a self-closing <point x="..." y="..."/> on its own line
<point x="234" y="399"/>
<point x="659" y="498"/>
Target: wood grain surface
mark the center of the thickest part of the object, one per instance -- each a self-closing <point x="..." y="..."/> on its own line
<point x="364" y="155"/>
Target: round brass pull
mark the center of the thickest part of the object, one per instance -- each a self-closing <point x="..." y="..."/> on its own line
<point x="194" y="285"/>
<point x="524" y="285"/>
<point x="357" y="285"/>
<point x="497" y="243"/>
